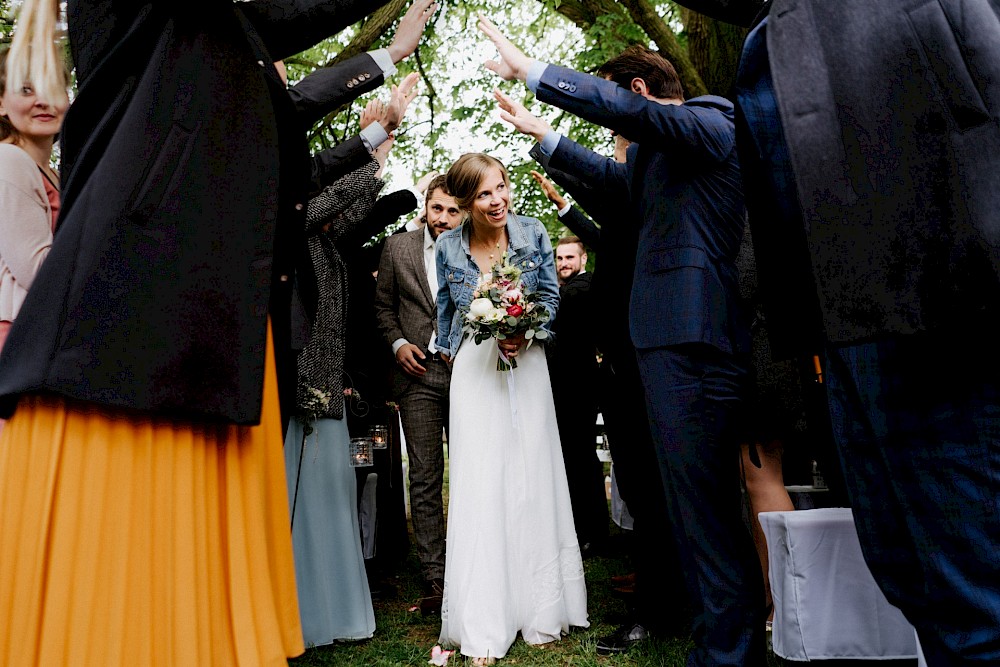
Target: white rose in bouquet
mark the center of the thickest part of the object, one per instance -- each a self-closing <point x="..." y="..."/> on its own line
<point x="480" y="308"/>
<point x="496" y="315"/>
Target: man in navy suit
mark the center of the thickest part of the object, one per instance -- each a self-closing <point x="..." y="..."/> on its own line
<point x="871" y="133"/>
<point x="682" y="183"/>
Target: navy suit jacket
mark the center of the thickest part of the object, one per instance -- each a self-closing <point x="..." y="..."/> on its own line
<point x="682" y="185"/>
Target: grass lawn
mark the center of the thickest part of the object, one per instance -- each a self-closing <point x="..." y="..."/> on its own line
<point x="404" y="637"/>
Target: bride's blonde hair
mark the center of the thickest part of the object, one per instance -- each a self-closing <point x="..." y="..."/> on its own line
<point x="34" y="54"/>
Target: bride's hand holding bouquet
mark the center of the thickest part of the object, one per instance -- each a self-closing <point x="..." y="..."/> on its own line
<point x="504" y="310"/>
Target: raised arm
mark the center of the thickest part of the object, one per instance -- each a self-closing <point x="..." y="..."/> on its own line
<point x="689" y="132"/>
<point x="327" y="88"/>
<point x="385" y="212"/>
<point x="739" y="12"/>
<point x="344" y="205"/>
<point x="288" y="27"/>
<point x="571" y="216"/>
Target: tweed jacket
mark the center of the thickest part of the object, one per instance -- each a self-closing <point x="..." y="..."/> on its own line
<point x="404" y="305"/>
<point x="331" y="215"/>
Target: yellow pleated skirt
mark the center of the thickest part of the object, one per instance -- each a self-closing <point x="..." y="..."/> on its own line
<point x="130" y="540"/>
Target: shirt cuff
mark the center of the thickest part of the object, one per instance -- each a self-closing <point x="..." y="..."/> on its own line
<point x="549" y="142"/>
<point x="535" y="71"/>
<point x="373" y="136"/>
<point x="384" y="62"/>
<point x="398" y="343"/>
<point x="565" y="209"/>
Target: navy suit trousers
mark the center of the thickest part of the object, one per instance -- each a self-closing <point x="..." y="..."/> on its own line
<point x="917" y="422"/>
<point x="695" y="399"/>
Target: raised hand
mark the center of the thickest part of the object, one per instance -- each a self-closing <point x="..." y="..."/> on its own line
<point x="513" y="63"/>
<point x="621" y="148"/>
<point x="402" y="95"/>
<point x="411" y="27"/>
<point x="550" y="190"/>
<point x="425" y="181"/>
<point x="517" y="115"/>
<point x="372" y="112"/>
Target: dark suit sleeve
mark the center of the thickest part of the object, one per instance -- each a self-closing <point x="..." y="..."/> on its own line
<point x="582" y="226"/>
<point x="596" y="203"/>
<point x="326" y="89"/>
<point x="596" y="173"/>
<point x="740" y="12"/>
<point x="288" y="27"/>
<point x="387" y="296"/>
<point x="385" y="212"/>
<point x="331" y="163"/>
<point x="685" y="132"/>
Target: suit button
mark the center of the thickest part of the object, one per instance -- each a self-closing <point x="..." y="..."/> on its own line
<point x="562" y="85"/>
<point x="350" y="84"/>
<point x="298" y="207"/>
<point x="283" y="278"/>
<point x="260" y="62"/>
<point x="572" y="88"/>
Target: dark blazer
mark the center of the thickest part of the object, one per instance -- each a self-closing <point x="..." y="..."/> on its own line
<point x="889" y="111"/>
<point x="181" y="153"/>
<point x="325" y="90"/>
<point x="572" y="355"/>
<point x="615" y="243"/>
<point x="404" y="305"/>
<point x="683" y="186"/>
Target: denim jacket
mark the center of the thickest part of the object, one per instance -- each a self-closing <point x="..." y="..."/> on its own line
<point x="457" y="272"/>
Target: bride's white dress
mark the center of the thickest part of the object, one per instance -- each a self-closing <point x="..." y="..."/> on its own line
<point x="513" y="563"/>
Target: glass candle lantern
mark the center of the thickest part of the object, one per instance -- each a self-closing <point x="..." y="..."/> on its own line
<point x="361" y="452"/>
<point x="379" y="433"/>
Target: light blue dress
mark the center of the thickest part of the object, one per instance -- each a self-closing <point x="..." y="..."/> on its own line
<point x="335" y="602"/>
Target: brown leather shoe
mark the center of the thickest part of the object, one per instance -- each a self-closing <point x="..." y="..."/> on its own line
<point x="620" y="580"/>
<point x="431" y="602"/>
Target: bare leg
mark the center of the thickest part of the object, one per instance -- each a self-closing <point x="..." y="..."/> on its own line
<point x="766" y="490"/>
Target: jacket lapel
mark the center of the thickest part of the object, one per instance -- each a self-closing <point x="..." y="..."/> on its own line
<point x="417" y="259"/>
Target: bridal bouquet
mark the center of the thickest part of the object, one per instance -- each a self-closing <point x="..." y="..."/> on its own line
<point x="501" y="307"/>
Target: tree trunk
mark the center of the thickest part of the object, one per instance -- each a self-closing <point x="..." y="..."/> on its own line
<point x="715" y="50"/>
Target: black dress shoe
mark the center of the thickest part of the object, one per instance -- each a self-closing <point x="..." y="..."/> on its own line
<point x="622" y="639"/>
<point x="430" y="604"/>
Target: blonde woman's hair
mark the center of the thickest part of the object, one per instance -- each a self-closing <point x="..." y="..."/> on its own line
<point x="467" y="173"/>
<point x="34" y="54"/>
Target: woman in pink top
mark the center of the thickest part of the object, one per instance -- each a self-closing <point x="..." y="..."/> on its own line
<point x="29" y="190"/>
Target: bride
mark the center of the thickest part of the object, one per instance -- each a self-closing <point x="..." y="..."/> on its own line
<point x="513" y="563"/>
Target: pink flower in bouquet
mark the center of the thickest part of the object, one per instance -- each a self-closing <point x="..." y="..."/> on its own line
<point x="515" y="310"/>
<point x="513" y="296"/>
